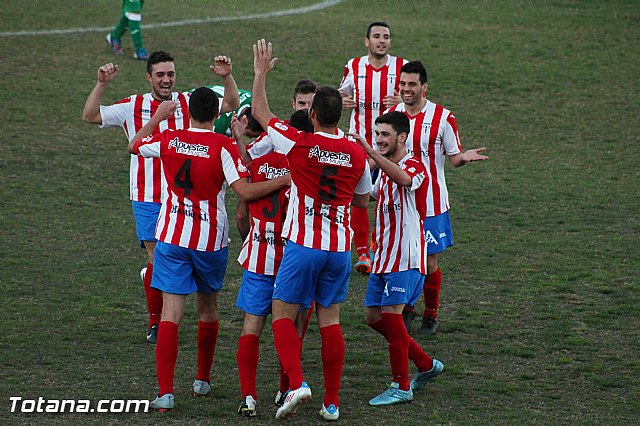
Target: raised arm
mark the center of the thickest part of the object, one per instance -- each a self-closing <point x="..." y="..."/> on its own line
<point x="462" y="158"/>
<point x="262" y="64"/>
<point x="91" y="111"/>
<point x="165" y="110"/>
<point x="222" y="68"/>
<point x="237" y="131"/>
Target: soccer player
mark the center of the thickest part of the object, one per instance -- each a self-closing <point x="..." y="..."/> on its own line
<point x="192" y="231"/>
<point x="222" y="124"/>
<point x="368" y="87"/>
<point x="145" y="178"/>
<point x="400" y="259"/>
<point x="130" y="20"/>
<point x="328" y="173"/>
<point x="433" y="137"/>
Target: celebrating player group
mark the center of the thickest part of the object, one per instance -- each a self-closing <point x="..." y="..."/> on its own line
<point x="304" y="189"/>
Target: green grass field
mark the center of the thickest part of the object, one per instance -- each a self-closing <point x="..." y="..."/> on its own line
<point x="539" y="316"/>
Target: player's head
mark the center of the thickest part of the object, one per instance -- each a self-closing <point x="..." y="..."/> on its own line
<point x="203" y="105"/>
<point x="161" y="73"/>
<point x="378" y="39"/>
<point x="392" y="130"/>
<point x="413" y="83"/>
<point x="303" y="94"/>
<point x="252" y="127"/>
<point x="300" y="120"/>
<point x="326" y="107"/>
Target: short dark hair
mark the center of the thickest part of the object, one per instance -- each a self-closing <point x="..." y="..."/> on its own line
<point x="156" y="58"/>
<point x="252" y="124"/>
<point x="398" y="121"/>
<point x="415" y="67"/>
<point x="305" y="87"/>
<point x="203" y="104"/>
<point x="300" y="120"/>
<point x="327" y="105"/>
<point x="376" y="24"/>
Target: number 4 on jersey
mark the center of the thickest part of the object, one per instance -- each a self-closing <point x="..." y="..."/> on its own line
<point x="183" y="178"/>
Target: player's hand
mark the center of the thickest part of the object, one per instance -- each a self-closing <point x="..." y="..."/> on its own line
<point x="166" y="109"/>
<point x="238" y="127"/>
<point x="362" y="141"/>
<point x="263" y="61"/>
<point x="107" y="72"/>
<point x="348" y="102"/>
<point x="222" y="66"/>
<point x="474" y="155"/>
<point x="390" y="100"/>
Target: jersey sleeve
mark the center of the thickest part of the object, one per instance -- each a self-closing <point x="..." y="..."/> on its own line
<point x="284" y="137"/>
<point x="415" y="169"/>
<point x="232" y="165"/>
<point x="450" y="137"/>
<point x="364" y="185"/>
<point x="262" y="146"/>
<point x="115" y="115"/>
<point x="149" y="146"/>
<point x="346" y="85"/>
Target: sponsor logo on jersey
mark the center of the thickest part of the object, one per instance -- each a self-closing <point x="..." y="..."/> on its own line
<point x="272" y="172"/>
<point x="187" y="210"/>
<point x="423" y="153"/>
<point x="269" y="238"/>
<point x="369" y="105"/>
<point x="281" y="126"/>
<point x="429" y="239"/>
<point x="192" y="149"/>
<point x="330" y="157"/>
<point x="390" y="207"/>
<point x="325" y="211"/>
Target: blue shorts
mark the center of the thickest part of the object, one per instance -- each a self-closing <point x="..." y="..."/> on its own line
<point x="307" y="274"/>
<point x="255" y="293"/>
<point x="179" y="270"/>
<point x="394" y="288"/>
<point x="146" y="217"/>
<point x="437" y="233"/>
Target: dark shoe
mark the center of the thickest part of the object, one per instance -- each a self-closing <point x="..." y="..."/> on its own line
<point x="407" y="318"/>
<point x="429" y="326"/>
<point x="152" y="334"/>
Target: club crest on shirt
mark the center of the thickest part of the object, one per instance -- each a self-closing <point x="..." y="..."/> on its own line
<point x="330" y="157"/>
<point x="192" y="149"/>
<point x="426" y="127"/>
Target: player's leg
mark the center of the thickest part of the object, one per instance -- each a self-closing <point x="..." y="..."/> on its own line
<point x="132" y="10"/>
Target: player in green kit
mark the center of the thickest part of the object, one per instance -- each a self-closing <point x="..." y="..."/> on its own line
<point x="130" y="20"/>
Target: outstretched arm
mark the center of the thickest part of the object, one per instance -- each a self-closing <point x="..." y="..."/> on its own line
<point x="247" y="191"/>
<point x="262" y="64"/>
<point x="165" y="110"/>
<point x="462" y="158"/>
<point x="222" y="68"/>
<point x="91" y="111"/>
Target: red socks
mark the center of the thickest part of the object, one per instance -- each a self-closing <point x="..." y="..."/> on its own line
<point x="431" y="289"/>
<point x="332" y="362"/>
<point x="154" y="297"/>
<point x="398" y="348"/>
<point x="207" y="339"/>
<point x="166" y="355"/>
<point x="287" y="343"/>
<point x="419" y="357"/>
<point x="248" y="356"/>
<point x="360" y="226"/>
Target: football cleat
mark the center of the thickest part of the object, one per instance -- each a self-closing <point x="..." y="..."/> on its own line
<point x="330" y="413"/>
<point x="115" y="45"/>
<point x="152" y="334"/>
<point x="280" y="397"/>
<point x="141" y="54"/>
<point x="429" y="326"/>
<point x="421" y="379"/>
<point x="163" y="403"/>
<point x="363" y="265"/>
<point x="392" y="396"/>
<point x="248" y="407"/>
<point x="294" y="399"/>
<point x="201" y="388"/>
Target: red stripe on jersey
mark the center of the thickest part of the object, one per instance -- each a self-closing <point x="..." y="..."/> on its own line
<point x="433" y="170"/>
<point x="137" y="125"/>
<point x="384" y="91"/>
<point x="368" y="100"/>
<point x="317" y="225"/>
<point x="356" y="84"/>
<point x="262" y="254"/>
<point x="157" y="165"/>
<point x="179" y="226"/>
<point x="417" y="132"/>
<point x="164" y="226"/>
<point x="195" y="226"/>
<point x="333" y="230"/>
<point x="399" y="63"/>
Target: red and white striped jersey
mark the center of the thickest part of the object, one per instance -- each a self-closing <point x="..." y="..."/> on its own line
<point x="263" y="249"/>
<point x="263" y="144"/>
<point x="433" y="136"/>
<point x="197" y="163"/>
<point x="326" y="172"/>
<point x="131" y="114"/>
<point x="398" y="239"/>
<point x="369" y="86"/>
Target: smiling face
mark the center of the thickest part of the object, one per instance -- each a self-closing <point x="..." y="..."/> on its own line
<point x="411" y="90"/>
<point x="162" y="79"/>
<point x="387" y="140"/>
<point x="378" y="42"/>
